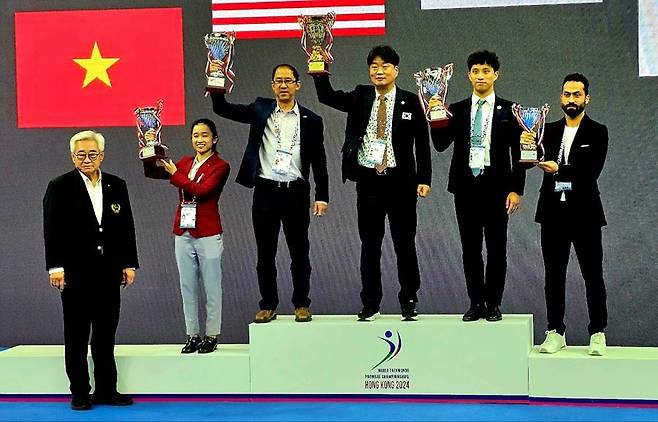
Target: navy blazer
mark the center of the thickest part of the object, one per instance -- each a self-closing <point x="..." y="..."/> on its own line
<point x="73" y="238"/>
<point x="505" y="172"/>
<point x="311" y="134"/>
<point x="586" y="158"/>
<point x="409" y="130"/>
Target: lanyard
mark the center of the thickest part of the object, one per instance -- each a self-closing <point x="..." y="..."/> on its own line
<point x="277" y="130"/>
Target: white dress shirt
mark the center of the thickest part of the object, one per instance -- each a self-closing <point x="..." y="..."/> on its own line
<point x="282" y="132"/>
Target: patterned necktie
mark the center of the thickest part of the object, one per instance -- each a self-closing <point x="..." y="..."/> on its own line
<point x="476" y="135"/>
<point x="381" y="130"/>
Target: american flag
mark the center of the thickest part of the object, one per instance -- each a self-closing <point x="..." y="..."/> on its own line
<point x="278" y="18"/>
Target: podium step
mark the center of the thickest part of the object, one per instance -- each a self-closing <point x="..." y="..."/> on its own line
<point x="623" y="373"/>
<point x="438" y="354"/>
<point x="143" y="369"/>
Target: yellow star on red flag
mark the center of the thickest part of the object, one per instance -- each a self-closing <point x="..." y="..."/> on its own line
<point x="96" y="67"/>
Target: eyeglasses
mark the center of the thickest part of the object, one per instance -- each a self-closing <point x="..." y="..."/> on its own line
<point x="286" y="81"/>
<point x="81" y="156"/>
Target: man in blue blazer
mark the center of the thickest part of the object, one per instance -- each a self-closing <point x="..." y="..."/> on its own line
<point x="486" y="180"/>
<point x="570" y="212"/>
<point x="286" y="141"/>
<point x="386" y="152"/>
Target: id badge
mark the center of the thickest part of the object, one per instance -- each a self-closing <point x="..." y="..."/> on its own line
<point x="282" y="162"/>
<point x="476" y="157"/>
<point x="188" y="215"/>
<point x="562" y="186"/>
<point x="377" y="150"/>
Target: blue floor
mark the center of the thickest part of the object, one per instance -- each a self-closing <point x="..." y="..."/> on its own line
<point x="321" y="411"/>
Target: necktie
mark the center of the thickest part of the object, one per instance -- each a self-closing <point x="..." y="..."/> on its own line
<point x="476" y="135"/>
<point x="381" y="130"/>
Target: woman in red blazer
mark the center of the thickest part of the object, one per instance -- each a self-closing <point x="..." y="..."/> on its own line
<point x="200" y="180"/>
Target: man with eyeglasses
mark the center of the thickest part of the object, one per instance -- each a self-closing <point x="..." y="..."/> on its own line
<point x="387" y="153"/>
<point x="91" y="253"/>
<point x="285" y="142"/>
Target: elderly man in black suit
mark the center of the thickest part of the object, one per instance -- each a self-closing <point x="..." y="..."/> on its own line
<point x="385" y="124"/>
<point x="91" y="253"/>
<point x="570" y="212"/>
<point x="486" y="180"/>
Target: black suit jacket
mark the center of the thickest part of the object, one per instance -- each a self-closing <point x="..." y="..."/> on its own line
<point x="409" y="130"/>
<point x="311" y="135"/>
<point x="505" y="173"/>
<point x="586" y="159"/>
<point x="73" y="238"/>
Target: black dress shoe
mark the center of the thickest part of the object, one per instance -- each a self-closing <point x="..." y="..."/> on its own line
<point x="494" y="314"/>
<point x="81" y="402"/>
<point x="192" y="344"/>
<point x="208" y="345"/>
<point x="474" y="313"/>
<point x="368" y="313"/>
<point x="113" y="399"/>
<point x="409" y="311"/>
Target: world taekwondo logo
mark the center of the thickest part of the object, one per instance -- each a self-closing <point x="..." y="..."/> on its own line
<point x="393" y="348"/>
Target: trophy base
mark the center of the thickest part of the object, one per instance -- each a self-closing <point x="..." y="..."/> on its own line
<point x="155" y="169"/>
<point x="439" y="123"/>
<point x="218" y="85"/>
<point x="318" y="68"/>
<point x="528" y="155"/>
<point x="151" y="156"/>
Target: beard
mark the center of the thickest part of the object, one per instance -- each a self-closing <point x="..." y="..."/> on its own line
<point x="572" y="110"/>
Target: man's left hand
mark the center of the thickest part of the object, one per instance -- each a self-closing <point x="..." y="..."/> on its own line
<point x="128" y="277"/>
<point x="319" y="208"/>
<point x="423" y="190"/>
<point x="513" y="202"/>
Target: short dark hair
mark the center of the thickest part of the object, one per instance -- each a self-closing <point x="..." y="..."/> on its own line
<point x="289" y="66"/>
<point x="211" y="126"/>
<point x="577" y="77"/>
<point x="386" y="53"/>
<point x="483" y="57"/>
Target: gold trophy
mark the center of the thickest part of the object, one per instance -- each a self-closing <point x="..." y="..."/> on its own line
<point x="317" y="41"/>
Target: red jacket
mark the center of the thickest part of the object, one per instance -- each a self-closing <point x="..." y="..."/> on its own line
<point x="206" y="187"/>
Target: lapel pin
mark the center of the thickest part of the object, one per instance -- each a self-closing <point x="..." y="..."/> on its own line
<point x="115" y="208"/>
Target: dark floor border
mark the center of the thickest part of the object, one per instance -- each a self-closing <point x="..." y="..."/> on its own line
<point x="406" y="398"/>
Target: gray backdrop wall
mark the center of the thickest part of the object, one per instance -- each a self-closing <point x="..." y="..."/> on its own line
<point x="537" y="46"/>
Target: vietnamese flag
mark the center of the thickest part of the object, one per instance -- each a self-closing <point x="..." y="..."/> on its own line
<point x="92" y="68"/>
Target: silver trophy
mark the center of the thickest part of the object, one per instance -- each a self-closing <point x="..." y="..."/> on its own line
<point x="317" y="30"/>
<point x="530" y="118"/>
<point x="151" y="149"/>
<point x="433" y="82"/>
<point x="220" y="47"/>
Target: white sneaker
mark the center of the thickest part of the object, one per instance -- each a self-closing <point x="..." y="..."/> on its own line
<point x="554" y="342"/>
<point x="597" y="344"/>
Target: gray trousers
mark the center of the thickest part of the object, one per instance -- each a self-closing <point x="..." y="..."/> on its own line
<point x="200" y="261"/>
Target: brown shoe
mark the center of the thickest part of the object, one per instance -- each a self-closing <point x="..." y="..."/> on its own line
<point x="303" y="315"/>
<point x="264" y="315"/>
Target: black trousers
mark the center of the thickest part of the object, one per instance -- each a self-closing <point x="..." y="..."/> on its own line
<point x="377" y="197"/>
<point x="91" y="304"/>
<point x="275" y="204"/>
<point x="481" y="212"/>
<point x="556" y="240"/>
